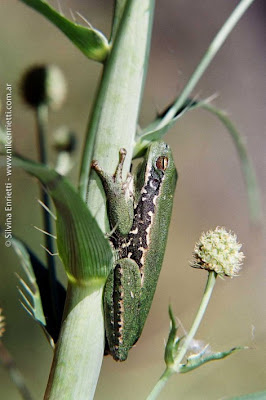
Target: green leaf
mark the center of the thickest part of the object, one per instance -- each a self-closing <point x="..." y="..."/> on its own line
<point x="30" y="294"/>
<point x="157" y="129"/>
<point x="197" y="360"/>
<point x="41" y="275"/>
<point x="82" y="246"/>
<point x="246" y="165"/>
<point x="89" y="40"/>
<point x="251" y="396"/>
<point x="172" y="342"/>
<point x="34" y="293"/>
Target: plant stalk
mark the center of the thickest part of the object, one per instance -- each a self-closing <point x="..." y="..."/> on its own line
<point x="115" y="114"/>
<point x="42" y="132"/>
<point x="201" y="311"/>
<point x="170" y="370"/>
<point x="79" y="350"/>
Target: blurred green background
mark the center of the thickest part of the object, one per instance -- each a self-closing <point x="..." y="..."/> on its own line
<point x="210" y="190"/>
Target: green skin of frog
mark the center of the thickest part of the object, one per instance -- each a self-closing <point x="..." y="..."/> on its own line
<point x="139" y="212"/>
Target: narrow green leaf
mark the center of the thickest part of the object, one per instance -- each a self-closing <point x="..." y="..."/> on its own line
<point x="197" y="360"/>
<point x="151" y="133"/>
<point x="154" y="125"/>
<point x="168" y="354"/>
<point x="42" y="278"/>
<point x="251" y="396"/>
<point x="31" y="290"/>
<point x="213" y="48"/>
<point x="34" y="306"/>
<point x="247" y="167"/>
<point x="82" y="246"/>
<point x="89" y="40"/>
<point x="37" y="298"/>
<point x="155" y="131"/>
<point x="173" y="341"/>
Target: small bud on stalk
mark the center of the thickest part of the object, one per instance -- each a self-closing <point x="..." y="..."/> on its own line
<point x="44" y="84"/>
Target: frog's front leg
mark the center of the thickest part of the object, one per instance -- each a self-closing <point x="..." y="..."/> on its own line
<point x="121" y="308"/>
<point x="119" y="196"/>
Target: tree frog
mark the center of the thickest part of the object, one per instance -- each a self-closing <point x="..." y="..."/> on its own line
<point x="139" y="211"/>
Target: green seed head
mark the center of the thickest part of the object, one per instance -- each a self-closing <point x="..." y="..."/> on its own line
<point x="218" y="251"/>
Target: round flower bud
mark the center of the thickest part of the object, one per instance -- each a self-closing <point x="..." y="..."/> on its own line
<point x="44" y="85"/>
<point x="218" y="251"/>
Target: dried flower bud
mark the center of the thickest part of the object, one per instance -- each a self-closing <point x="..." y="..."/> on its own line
<point x="44" y="84"/>
<point x="218" y="251"/>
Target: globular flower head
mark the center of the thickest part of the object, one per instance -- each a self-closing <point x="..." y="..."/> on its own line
<point x="218" y="251"/>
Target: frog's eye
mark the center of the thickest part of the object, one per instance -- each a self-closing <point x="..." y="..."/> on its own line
<point x="162" y="163"/>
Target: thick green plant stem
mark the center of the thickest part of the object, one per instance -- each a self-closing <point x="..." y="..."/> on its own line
<point x="78" y="355"/>
<point x="79" y="351"/>
<point x="114" y="119"/>
<point x="172" y="369"/>
<point x="119" y="8"/>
